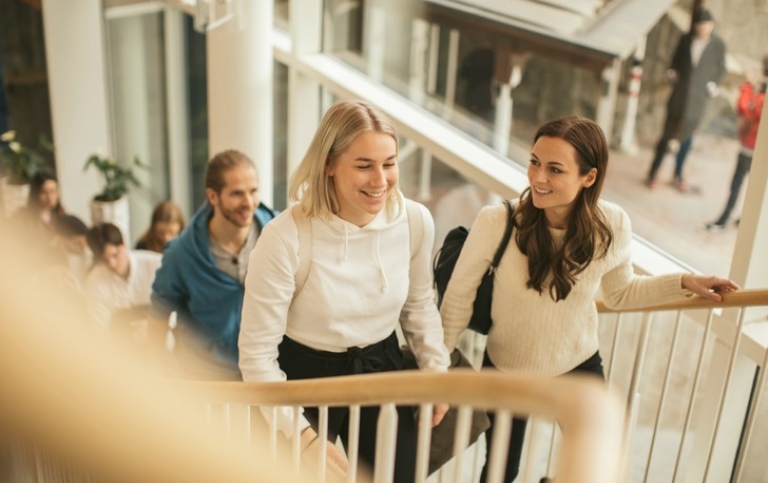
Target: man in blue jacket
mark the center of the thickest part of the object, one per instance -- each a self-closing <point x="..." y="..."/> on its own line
<point x="203" y="269"/>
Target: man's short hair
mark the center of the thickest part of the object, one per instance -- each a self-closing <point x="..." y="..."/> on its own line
<point x="222" y="162"/>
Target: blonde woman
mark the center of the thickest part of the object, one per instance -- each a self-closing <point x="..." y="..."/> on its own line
<point x="361" y="283"/>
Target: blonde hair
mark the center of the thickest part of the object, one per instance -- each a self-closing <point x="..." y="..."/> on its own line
<point x="310" y="184"/>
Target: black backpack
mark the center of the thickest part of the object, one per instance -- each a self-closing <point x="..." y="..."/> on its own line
<point x="445" y="261"/>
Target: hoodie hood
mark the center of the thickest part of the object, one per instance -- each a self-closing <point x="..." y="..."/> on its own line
<point x="349" y="232"/>
<point x="195" y="241"/>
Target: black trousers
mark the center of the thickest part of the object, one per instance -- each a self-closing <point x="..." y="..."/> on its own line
<point x="301" y="362"/>
<point x="743" y="164"/>
<point x="593" y="365"/>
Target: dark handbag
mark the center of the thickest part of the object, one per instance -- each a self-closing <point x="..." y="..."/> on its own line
<point x="445" y="261"/>
<point x="443" y="435"/>
<point x="481" y="310"/>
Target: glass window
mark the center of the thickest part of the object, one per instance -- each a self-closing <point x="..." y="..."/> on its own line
<point x="461" y="66"/>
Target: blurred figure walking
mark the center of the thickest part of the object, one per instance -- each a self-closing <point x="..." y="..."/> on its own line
<point x="749" y="107"/>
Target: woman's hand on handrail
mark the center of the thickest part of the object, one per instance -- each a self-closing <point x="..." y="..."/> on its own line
<point x="438" y="413"/>
<point x="708" y="286"/>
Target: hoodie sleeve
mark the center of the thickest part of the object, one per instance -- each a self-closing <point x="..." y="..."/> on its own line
<point x="269" y="290"/>
<point x="419" y="318"/>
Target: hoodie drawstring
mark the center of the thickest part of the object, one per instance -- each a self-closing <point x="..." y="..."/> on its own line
<point x="384" y="282"/>
<point x="343" y="256"/>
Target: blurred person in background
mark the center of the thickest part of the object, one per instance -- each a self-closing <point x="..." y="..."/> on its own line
<point x="71" y="240"/>
<point x="43" y="205"/>
<point x="696" y="71"/>
<point x="119" y="285"/>
<point x="749" y="107"/>
<point x="167" y="223"/>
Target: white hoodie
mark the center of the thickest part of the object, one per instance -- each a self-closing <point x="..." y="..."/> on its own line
<point x="357" y="289"/>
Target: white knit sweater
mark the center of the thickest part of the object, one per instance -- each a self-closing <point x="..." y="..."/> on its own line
<point x="532" y="332"/>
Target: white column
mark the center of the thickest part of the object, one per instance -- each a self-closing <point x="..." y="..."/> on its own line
<point x="451" y="72"/>
<point x="417" y="73"/>
<point x="750" y="257"/>
<point x="304" y="106"/>
<point x="178" y="110"/>
<point x="75" y="53"/>
<point x="747" y="269"/>
<point x="508" y="75"/>
<point x="628" y="143"/>
<point x="240" y="88"/>
<point x="503" y="119"/>
<point x="375" y="40"/>
<point x="131" y="110"/>
<point x="606" y="106"/>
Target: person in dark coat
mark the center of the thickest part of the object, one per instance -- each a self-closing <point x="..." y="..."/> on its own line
<point x="696" y="70"/>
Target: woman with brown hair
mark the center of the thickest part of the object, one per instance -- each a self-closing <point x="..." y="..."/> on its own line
<point x="36" y="219"/>
<point x="167" y="223"/>
<point x="568" y="246"/>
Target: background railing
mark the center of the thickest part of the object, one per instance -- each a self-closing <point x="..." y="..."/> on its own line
<point x="690" y="375"/>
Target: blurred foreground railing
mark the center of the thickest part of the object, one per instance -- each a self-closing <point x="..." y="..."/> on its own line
<point x="591" y="418"/>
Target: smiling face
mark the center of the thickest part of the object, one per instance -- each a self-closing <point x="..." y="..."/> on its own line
<point x="364" y="175"/>
<point x="238" y="198"/>
<point x="553" y="174"/>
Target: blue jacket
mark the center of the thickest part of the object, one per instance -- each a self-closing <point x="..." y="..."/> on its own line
<point x="206" y="300"/>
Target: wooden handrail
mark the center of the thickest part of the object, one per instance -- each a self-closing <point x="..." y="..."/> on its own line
<point x="740" y="298"/>
<point x="591" y="415"/>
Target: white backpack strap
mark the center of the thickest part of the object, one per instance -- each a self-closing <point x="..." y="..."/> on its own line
<point x="305" y="247"/>
<point x="415" y="226"/>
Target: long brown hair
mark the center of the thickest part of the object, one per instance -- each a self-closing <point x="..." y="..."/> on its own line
<point x="588" y="236"/>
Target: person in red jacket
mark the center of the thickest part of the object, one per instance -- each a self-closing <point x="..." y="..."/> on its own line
<point x="749" y="108"/>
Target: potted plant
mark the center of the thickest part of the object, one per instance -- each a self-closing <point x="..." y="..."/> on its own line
<point x="111" y="204"/>
<point x="20" y="164"/>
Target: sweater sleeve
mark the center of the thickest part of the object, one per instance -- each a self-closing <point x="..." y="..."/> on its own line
<point x="419" y="317"/>
<point x="621" y="287"/>
<point x="269" y="290"/>
<point x="475" y="258"/>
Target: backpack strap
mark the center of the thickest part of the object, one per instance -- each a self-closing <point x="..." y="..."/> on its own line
<point x="304" y="228"/>
<point x="505" y="239"/>
<point x="415" y="226"/>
